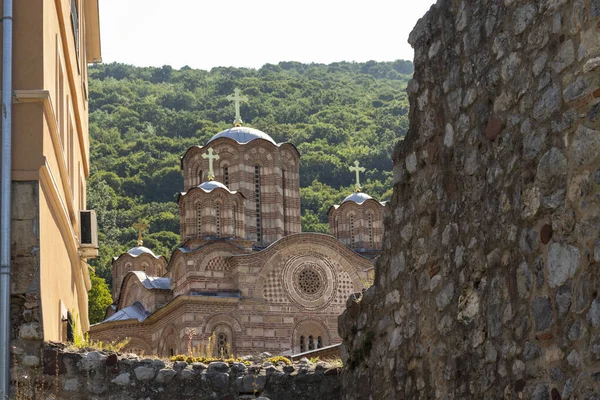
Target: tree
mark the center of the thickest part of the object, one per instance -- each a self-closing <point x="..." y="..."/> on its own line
<point x="99" y="298"/>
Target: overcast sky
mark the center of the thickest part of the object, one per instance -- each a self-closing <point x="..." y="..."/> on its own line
<point x="249" y="33"/>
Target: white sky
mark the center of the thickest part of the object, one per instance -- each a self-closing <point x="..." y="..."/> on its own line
<point x="249" y="33"/>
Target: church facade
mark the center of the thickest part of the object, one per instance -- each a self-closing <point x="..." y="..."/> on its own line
<point x="245" y="274"/>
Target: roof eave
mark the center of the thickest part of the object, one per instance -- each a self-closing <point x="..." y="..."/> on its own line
<point x="92" y="30"/>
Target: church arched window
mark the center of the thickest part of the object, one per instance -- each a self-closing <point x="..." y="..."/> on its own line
<point x="352" y="236"/>
<point x="283" y="186"/>
<point x="198" y="220"/>
<point x="218" y="218"/>
<point x="302" y="345"/>
<point x="226" y="175"/>
<point x="257" y="203"/>
<point x="196" y="177"/>
<point x="319" y="342"/>
<point x="222" y="346"/>
<point x="311" y="343"/>
<point x="370" y="227"/>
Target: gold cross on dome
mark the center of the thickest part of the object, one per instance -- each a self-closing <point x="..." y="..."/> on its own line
<point x="358" y="171"/>
<point x="237" y="99"/>
<point x="140" y="226"/>
<point x="211" y="156"/>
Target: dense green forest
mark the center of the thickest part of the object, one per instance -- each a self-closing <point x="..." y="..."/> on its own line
<point x="143" y="119"/>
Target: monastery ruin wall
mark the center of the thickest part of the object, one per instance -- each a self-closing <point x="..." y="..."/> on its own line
<point x="488" y="285"/>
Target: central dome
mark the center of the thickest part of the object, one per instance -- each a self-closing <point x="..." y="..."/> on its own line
<point x="242" y="135"/>
<point x="357" y="197"/>
<point x="139" y="250"/>
<point x="211" y="185"/>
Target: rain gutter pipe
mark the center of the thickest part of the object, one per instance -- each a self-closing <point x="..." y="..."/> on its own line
<point x="5" y="196"/>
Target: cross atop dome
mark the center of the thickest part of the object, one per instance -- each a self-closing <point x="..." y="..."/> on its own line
<point x="358" y="170"/>
<point x="140" y="226"/>
<point x="237" y="99"/>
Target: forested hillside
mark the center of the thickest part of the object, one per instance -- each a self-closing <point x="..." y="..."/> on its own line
<point x="143" y="119"/>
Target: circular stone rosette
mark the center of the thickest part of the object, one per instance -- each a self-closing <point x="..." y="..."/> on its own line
<point x="309" y="280"/>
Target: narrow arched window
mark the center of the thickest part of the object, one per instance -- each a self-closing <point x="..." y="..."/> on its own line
<point x="218" y="219"/>
<point x="302" y="345"/>
<point x="198" y="220"/>
<point x="370" y="227"/>
<point x="319" y="342"/>
<point x="311" y="343"/>
<point x="285" y="212"/>
<point x="222" y="346"/>
<point x="257" y="203"/>
<point x="352" y="237"/>
<point x="226" y="176"/>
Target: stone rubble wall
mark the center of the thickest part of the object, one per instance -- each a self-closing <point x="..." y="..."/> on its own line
<point x="104" y="375"/>
<point x="488" y="284"/>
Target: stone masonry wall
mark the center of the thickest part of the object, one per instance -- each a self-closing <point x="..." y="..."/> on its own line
<point x="488" y="285"/>
<point x="106" y="375"/>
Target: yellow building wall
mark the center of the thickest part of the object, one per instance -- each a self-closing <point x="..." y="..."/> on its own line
<point x="51" y="146"/>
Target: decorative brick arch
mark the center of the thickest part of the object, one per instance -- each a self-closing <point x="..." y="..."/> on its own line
<point x="222" y="319"/>
<point x="169" y="339"/>
<point x="297" y="252"/>
<point x="310" y="327"/>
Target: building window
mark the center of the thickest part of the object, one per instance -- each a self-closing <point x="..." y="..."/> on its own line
<point x="218" y="218"/>
<point x="352" y="237"/>
<point x="370" y="226"/>
<point x="75" y="25"/>
<point x="311" y="343"/>
<point x="258" y="204"/>
<point x="302" y="345"/>
<point x="319" y="342"/>
<point x="222" y="346"/>
<point x="198" y="177"/>
<point x="283" y="185"/>
<point x="70" y="331"/>
<point x="226" y="176"/>
<point x="198" y="220"/>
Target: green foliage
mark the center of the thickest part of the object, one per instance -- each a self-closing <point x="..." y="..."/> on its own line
<point x="143" y="119"/>
<point x="99" y="298"/>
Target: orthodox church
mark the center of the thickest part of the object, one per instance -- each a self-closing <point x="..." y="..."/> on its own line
<point x="245" y="273"/>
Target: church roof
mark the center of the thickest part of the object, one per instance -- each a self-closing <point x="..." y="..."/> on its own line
<point x="242" y="135"/>
<point x="357" y="197"/>
<point x="134" y="311"/>
<point x="211" y="185"/>
<point x="153" y="282"/>
<point x="139" y="250"/>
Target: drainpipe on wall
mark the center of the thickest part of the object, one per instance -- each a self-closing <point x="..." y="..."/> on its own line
<point x="5" y="197"/>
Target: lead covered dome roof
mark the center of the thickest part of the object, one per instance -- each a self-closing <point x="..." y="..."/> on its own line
<point x="357" y="197"/>
<point x="139" y="250"/>
<point x="242" y="135"/>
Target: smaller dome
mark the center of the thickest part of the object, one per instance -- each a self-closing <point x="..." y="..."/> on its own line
<point x="242" y="135"/>
<point x="139" y="250"/>
<point x="211" y="185"/>
<point x="357" y="197"/>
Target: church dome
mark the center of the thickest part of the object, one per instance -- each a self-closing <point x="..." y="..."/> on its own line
<point x="211" y="185"/>
<point x="242" y="135"/>
<point x="357" y="197"/>
<point x="139" y="250"/>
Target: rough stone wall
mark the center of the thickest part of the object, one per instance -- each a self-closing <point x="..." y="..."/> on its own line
<point x="488" y="285"/>
<point x="25" y="312"/>
<point x="102" y="375"/>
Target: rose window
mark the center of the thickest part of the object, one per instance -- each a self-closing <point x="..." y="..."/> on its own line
<point x="309" y="281"/>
